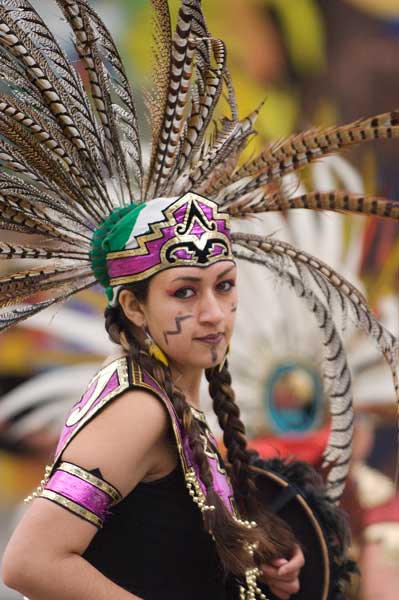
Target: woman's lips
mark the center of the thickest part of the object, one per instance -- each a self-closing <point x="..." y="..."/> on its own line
<point x="213" y="339"/>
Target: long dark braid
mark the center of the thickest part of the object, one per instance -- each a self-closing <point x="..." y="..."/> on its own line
<point x="231" y="537"/>
<point x="239" y="459"/>
<point x="235" y="441"/>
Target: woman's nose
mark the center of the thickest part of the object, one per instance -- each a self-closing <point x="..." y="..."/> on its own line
<point x="210" y="310"/>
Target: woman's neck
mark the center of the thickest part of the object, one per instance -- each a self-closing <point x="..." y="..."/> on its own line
<point x="188" y="380"/>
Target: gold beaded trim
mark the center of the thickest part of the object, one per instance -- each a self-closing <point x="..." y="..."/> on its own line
<point x="195" y="491"/>
<point x="92" y="479"/>
<point x="247" y="525"/>
<point x="40" y="488"/>
<point x="252" y="591"/>
<point x="72" y="506"/>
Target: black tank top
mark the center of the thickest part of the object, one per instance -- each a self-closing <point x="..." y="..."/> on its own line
<point x="155" y="546"/>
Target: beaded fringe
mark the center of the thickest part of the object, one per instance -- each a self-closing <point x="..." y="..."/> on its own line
<point x="195" y="491"/>
<point x="251" y="591"/>
<point x="41" y="487"/>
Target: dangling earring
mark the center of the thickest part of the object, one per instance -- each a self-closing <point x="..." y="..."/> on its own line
<point x="154" y="350"/>
<point x="222" y="364"/>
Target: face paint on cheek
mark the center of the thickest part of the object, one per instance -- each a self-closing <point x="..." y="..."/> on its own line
<point x="234" y="308"/>
<point x="178" y="330"/>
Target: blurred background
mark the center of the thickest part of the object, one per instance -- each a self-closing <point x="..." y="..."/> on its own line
<point x="317" y="63"/>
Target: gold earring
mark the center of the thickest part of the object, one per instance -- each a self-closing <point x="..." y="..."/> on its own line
<point x="154" y="350"/>
<point x="222" y="364"/>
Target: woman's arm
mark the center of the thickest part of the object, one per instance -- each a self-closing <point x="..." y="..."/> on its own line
<point x="43" y="560"/>
<point x="44" y="557"/>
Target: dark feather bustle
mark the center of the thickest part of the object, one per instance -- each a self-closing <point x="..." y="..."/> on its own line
<point x="334" y="523"/>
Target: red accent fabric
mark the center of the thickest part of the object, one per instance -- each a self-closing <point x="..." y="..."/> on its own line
<point x="308" y="447"/>
<point x="388" y="512"/>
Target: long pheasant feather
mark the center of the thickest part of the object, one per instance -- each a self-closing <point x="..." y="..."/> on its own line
<point x="49" y="168"/>
<point x="157" y="100"/>
<point x="33" y="220"/>
<point x="336" y="374"/>
<point x="119" y="80"/>
<point x="301" y="149"/>
<point x="181" y="67"/>
<point x="19" y="286"/>
<point x="229" y="141"/>
<point x="326" y="279"/>
<point x="336" y="201"/>
<point x="202" y="115"/>
<point x="18" y="190"/>
<point x="88" y="50"/>
<point x="49" y="133"/>
<point x="20" y="251"/>
<point x="58" y="93"/>
<point x="9" y="318"/>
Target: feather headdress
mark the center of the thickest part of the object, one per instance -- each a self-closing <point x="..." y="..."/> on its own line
<point x="70" y="157"/>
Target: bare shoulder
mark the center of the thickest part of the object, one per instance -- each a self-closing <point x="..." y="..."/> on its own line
<point x="132" y="408"/>
<point x="120" y="441"/>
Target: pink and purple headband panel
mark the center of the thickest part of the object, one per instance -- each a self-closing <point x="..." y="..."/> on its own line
<point x="194" y="234"/>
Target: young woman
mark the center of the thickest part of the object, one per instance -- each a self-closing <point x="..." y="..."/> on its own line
<point x="133" y="443"/>
<point x="137" y="503"/>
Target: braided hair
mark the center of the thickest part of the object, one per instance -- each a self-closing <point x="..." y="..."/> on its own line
<point x="239" y="459"/>
<point x="232" y="538"/>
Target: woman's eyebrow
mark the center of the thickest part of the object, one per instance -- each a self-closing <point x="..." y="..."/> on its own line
<point x="186" y="278"/>
<point x="191" y="278"/>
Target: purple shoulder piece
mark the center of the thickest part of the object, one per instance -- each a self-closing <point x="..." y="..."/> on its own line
<point x="221" y="481"/>
<point x="109" y="383"/>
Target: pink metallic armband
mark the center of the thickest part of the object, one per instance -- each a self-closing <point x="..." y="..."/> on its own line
<point x="81" y="492"/>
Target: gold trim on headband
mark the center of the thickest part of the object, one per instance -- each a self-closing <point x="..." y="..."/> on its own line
<point x="181" y="239"/>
